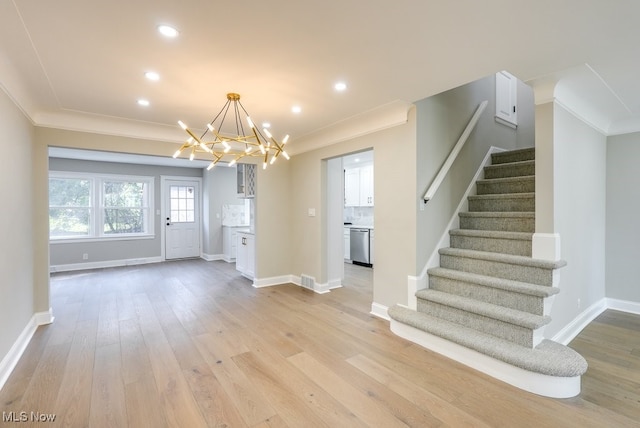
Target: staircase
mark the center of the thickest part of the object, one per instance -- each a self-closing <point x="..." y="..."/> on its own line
<point x="489" y="300"/>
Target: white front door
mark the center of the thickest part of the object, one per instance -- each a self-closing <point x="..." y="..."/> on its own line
<point x="182" y="219"/>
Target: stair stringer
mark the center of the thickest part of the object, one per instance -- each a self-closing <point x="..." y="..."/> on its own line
<point x="416" y="283"/>
<point x="537" y="383"/>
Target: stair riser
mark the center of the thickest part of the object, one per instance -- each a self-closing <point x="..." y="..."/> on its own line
<point x="530" y="274"/>
<point x="510" y="299"/>
<point x="513" y="333"/>
<point x="503" y="204"/>
<point x="527" y="185"/>
<point x="515" y="247"/>
<point x="513" y="156"/>
<point x="499" y="223"/>
<point x="504" y="171"/>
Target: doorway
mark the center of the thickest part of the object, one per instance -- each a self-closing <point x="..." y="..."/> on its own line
<point x="350" y="203"/>
<point x="181" y="218"/>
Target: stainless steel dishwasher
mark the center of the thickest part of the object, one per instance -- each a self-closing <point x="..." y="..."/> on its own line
<point x="360" y="246"/>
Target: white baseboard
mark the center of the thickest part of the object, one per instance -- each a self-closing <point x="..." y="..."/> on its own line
<point x="571" y="330"/>
<point x="623" y="305"/>
<point x="105" y="264"/>
<point x="10" y="360"/>
<point x="213" y="257"/>
<point x="380" y="311"/>
<point x="274" y="280"/>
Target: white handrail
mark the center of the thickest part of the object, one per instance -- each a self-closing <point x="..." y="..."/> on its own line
<point x="454" y="153"/>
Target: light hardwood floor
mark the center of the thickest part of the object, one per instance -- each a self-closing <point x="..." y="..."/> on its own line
<point x="191" y="343"/>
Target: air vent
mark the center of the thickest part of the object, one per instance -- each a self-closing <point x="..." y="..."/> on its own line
<point x="307" y="281"/>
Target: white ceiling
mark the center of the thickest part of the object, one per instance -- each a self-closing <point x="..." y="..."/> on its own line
<point x="78" y="64"/>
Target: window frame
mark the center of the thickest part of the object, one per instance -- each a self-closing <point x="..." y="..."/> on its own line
<point x="97" y="206"/>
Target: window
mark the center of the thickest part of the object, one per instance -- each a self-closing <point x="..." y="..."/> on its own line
<point x="182" y="204"/>
<point x="83" y="206"/>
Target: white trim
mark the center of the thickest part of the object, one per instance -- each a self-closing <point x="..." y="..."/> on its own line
<point x="10" y="360"/>
<point x="623" y="305"/>
<point x="105" y="264"/>
<point x="274" y="280"/>
<point x="571" y="330"/>
<point x="415" y="283"/>
<point x="545" y="246"/>
<point x="444" y="170"/>
<point x="502" y="121"/>
<point x="380" y="311"/>
<point x="213" y="257"/>
<point x="541" y="384"/>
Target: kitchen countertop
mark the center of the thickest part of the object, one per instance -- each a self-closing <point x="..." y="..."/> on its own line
<point x="358" y="226"/>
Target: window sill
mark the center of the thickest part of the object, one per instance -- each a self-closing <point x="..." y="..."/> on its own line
<point x="99" y="239"/>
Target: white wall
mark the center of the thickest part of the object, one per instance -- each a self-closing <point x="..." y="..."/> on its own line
<point x="441" y="119"/>
<point x="623" y="227"/>
<point x="17" y="267"/>
<point x="579" y="153"/>
<point x="219" y="188"/>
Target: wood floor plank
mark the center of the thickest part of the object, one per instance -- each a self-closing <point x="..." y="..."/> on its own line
<point x="192" y="343"/>
<point x="73" y="399"/>
<point x="443" y="411"/>
<point x="108" y="407"/>
<point x="216" y="406"/>
<point x="144" y="404"/>
<point x="360" y="404"/>
<point x="253" y="406"/>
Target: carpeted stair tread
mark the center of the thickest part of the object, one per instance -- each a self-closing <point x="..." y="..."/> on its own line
<point x="515" y="169"/>
<point x="499" y="283"/>
<point x="522" y="214"/>
<point x="528" y="153"/>
<point x="492" y="196"/>
<point x="500" y="313"/>
<point x="503" y="258"/>
<point x="518" y="184"/>
<point x="498" y="234"/>
<point x="549" y="358"/>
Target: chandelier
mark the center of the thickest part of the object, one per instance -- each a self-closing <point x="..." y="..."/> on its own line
<point x="219" y="143"/>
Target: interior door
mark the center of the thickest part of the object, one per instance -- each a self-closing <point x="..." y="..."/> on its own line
<point x="182" y="219"/>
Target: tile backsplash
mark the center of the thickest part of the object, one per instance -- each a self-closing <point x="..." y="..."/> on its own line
<point x="235" y="215"/>
<point x="362" y="216"/>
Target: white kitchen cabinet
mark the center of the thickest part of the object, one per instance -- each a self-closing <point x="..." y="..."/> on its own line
<point x="347" y="243"/>
<point x="358" y="187"/>
<point x="229" y="242"/>
<point x="246" y="180"/>
<point x="352" y="187"/>
<point x="246" y="254"/>
<point x="366" y="186"/>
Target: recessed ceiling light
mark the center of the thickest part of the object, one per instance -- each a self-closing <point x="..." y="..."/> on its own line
<point x="340" y="86"/>
<point x="143" y="102"/>
<point x="167" y="31"/>
<point x="296" y="109"/>
<point x="152" y="75"/>
<point x="266" y="125"/>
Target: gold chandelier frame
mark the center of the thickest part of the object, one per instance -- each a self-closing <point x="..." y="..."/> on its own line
<point x="220" y="144"/>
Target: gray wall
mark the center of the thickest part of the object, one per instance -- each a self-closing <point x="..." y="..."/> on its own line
<point x="623" y="227"/>
<point x="219" y="188"/>
<point x="579" y="170"/>
<point x="441" y="119"/>
<point x="102" y="251"/>
<point x="17" y="265"/>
